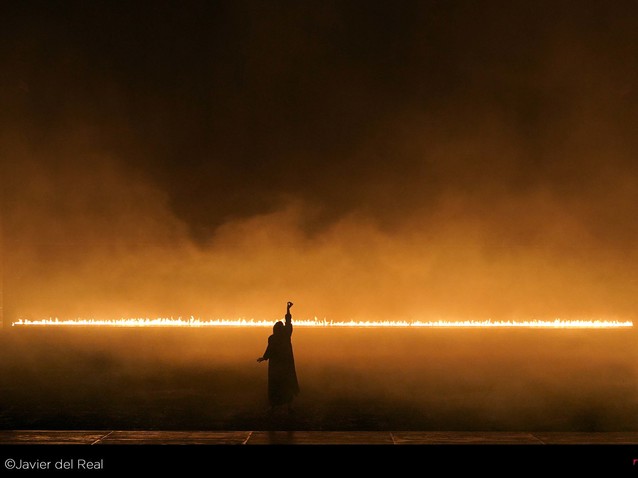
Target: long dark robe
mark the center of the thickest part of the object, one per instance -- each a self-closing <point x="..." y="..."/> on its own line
<point x="283" y="385"/>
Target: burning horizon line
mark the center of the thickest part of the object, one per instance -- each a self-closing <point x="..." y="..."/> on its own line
<point x="197" y="322"/>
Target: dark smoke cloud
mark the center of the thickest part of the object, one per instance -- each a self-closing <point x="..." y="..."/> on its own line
<point x="429" y="158"/>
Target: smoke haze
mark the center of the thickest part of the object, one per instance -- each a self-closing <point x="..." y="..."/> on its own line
<point x="426" y="160"/>
<point x="363" y="379"/>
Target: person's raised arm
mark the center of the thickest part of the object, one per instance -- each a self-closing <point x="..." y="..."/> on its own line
<point x="288" y="314"/>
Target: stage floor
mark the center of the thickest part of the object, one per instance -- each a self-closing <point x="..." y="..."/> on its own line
<point x="149" y="437"/>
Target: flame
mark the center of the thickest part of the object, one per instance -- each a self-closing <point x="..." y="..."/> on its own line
<point x="197" y="322"/>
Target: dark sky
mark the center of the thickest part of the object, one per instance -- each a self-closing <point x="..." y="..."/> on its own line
<point x="387" y="133"/>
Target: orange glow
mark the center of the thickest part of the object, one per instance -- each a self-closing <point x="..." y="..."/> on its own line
<point x="196" y="322"/>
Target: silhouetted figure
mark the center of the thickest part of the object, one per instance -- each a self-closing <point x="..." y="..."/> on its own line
<point x="282" y="375"/>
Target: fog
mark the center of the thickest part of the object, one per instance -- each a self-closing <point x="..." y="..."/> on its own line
<point x="430" y="160"/>
<point x="350" y="379"/>
<point x="91" y="239"/>
<point x="410" y="162"/>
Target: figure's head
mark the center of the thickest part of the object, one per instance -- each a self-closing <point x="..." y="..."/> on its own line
<point x="278" y="327"/>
